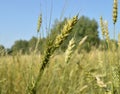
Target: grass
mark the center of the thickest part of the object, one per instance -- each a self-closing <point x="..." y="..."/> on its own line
<point x="16" y="73"/>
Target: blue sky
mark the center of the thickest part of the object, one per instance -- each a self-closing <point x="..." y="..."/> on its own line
<point x="18" y="18"/>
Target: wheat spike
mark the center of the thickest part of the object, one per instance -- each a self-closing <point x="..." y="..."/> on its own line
<point x="59" y="40"/>
<point x="39" y="23"/>
<point x="102" y="26"/>
<point x="69" y="50"/>
<point x="119" y="40"/>
<point x="106" y="31"/>
<point x="82" y="41"/>
<point x="65" y="31"/>
<point x="115" y="11"/>
<point x="52" y="47"/>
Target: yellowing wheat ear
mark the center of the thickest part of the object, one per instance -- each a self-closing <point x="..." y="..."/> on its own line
<point x="104" y="29"/>
<point x="53" y="46"/>
<point x="102" y="26"/>
<point x="82" y="41"/>
<point x="59" y="40"/>
<point x="69" y="50"/>
<point x="65" y="31"/>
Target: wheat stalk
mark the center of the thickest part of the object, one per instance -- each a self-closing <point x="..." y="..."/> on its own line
<point x="119" y="40"/>
<point x="38" y="30"/>
<point x="53" y="45"/>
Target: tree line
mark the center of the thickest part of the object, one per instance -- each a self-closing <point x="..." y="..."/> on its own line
<point x="85" y="27"/>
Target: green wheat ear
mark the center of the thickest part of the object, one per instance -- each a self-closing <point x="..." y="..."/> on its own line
<point x="115" y="14"/>
<point x="115" y="11"/>
<point x="39" y="23"/>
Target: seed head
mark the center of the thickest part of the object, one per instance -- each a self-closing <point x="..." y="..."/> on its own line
<point x="106" y="31"/>
<point x="83" y="40"/>
<point x="65" y="31"/>
<point x="102" y="26"/>
<point x="115" y="11"/>
<point x="69" y="50"/>
<point x="39" y="23"/>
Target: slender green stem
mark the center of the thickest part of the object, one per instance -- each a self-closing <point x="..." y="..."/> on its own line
<point x="114" y="32"/>
<point x="37" y="43"/>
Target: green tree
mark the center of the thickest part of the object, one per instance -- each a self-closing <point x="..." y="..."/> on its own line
<point x="20" y="46"/>
<point x="87" y="27"/>
<point x="2" y="50"/>
<point x="41" y="45"/>
<point x="32" y="43"/>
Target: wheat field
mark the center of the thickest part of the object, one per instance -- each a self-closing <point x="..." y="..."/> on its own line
<point x="69" y="72"/>
<point x="89" y="73"/>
